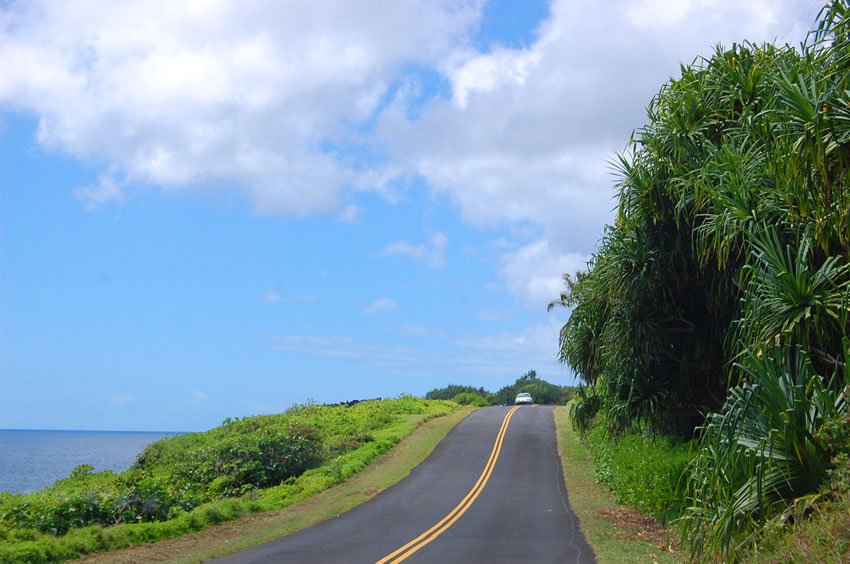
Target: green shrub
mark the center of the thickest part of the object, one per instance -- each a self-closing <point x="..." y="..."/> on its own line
<point x="468" y="398"/>
<point x="452" y="390"/>
<point x="185" y="483"/>
<point x="584" y="408"/>
<point x="760" y="456"/>
<point x="732" y="237"/>
<point x="542" y="391"/>
<point x="641" y="471"/>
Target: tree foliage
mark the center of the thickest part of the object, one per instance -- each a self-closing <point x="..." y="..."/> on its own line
<point x="469" y="398"/>
<point x="725" y="279"/>
<point x="542" y="391"/>
<point x="452" y="390"/>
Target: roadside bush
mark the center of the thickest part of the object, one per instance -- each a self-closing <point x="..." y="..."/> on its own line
<point x="766" y="452"/>
<point x="641" y="471"/>
<point x="262" y="459"/>
<point x="452" y="390"/>
<point x="468" y="398"/>
<point x="723" y="285"/>
<point x="542" y="391"/>
<point x="185" y="483"/>
<point x="584" y="408"/>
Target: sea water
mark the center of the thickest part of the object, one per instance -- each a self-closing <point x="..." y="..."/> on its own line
<point x="31" y="460"/>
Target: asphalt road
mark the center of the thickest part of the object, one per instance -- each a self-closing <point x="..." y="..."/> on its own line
<point x="520" y="513"/>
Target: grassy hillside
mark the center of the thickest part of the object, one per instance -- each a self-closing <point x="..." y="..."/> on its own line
<point x="186" y="483"/>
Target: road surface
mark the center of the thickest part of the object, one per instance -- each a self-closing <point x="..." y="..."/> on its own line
<point x="492" y="491"/>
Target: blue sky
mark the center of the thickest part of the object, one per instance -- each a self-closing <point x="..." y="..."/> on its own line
<point x="216" y="210"/>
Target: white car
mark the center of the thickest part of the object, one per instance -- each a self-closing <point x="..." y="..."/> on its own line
<point x="523" y="398"/>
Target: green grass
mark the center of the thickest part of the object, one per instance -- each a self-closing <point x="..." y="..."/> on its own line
<point x="641" y="471"/>
<point x="616" y="533"/>
<point x="173" y="491"/>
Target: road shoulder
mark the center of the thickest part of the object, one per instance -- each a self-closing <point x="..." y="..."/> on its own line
<point x="616" y="533"/>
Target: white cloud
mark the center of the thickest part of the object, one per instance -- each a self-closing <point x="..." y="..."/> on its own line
<point x="497" y="358"/>
<point x="757" y="17"/>
<point x="199" y="395"/>
<point x="510" y="354"/>
<point x="535" y="271"/>
<point x="280" y="296"/>
<point x="381" y="305"/>
<point x="541" y="339"/>
<point x="432" y="254"/>
<point x="414" y="330"/>
<point x="349" y="214"/>
<point x="344" y="347"/>
<point x="527" y="134"/>
<point x="107" y="190"/>
<point x="405" y="248"/>
<point x="492" y="314"/>
<point x="483" y="74"/>
<point x="267" y="98"/>
<point x="243" y="95"/>
<point x="123" y="399"/>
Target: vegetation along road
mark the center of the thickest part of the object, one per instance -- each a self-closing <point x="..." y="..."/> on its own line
<point x="493" y="490"/>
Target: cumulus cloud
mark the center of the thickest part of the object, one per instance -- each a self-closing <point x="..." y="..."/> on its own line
<point x="349" y="214"/>
<point x="272" y="100"/>
<point x="432" y="253"/>
<point x="540" y="339"/>
<point x="381" y="305"/>
<point x="527" y="133"/>
<point x="245" y="95"/>
<point x="107" y="190"/>
<point x="535" y="271"/>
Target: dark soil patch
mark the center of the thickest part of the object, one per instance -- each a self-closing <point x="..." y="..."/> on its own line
<point x="632" y="524"/>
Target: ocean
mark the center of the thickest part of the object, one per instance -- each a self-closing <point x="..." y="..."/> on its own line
<point x="31" y="460"/>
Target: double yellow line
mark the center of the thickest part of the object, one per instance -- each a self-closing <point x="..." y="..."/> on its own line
<point x="406" y="551"/>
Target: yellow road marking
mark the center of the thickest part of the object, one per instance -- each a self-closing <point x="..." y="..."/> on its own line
<point x="413" y="546"/>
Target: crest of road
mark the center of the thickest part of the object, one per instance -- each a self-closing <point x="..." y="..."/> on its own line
<point x="492" y="491"/>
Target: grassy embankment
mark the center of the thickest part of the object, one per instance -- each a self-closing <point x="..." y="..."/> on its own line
<point x="250" y="530"/>
<point x="635" y="475"/>
<point x="187" y="484"/>
<point x="645" y="475"/>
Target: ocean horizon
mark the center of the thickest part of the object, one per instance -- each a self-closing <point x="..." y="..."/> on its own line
<point x="32" y="459"/>
<point x="169" y="433"/>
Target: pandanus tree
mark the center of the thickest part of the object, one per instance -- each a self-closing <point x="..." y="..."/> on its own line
<point x="724" y="284"/>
